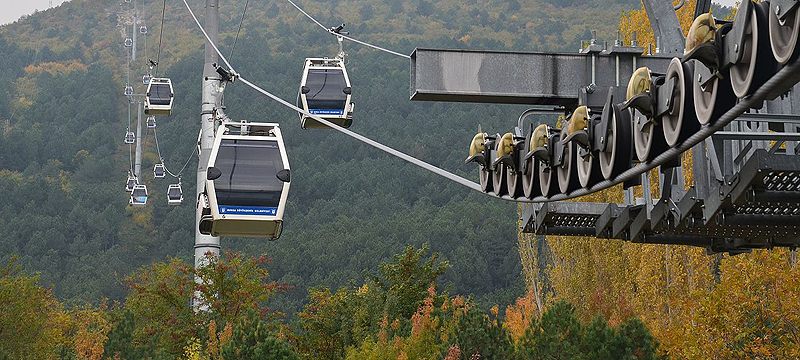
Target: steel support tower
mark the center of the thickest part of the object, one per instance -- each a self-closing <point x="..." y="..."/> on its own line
<point x="206" y="244"/>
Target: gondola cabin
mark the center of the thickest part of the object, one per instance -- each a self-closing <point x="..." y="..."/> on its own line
<point x="159" y="171"/>
<point x="174" y="194"/>
<point x="130" y="137"/>
<point x="247" y="182"/>
<point x="159" y="97"/>
<point x="130" y="183"/>
<point x="139" y="195"/>
<point x="325" y="92"/>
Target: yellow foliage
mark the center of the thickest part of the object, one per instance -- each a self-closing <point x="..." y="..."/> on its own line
<point x="637" y="21"/>
<point x="697" y="306"/>
<point x="56" y="68"/>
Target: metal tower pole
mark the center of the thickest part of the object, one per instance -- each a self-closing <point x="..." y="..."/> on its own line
<point x="138" y="163"/>
<point x="135" y="31"/>
<point x="204" y="244"/>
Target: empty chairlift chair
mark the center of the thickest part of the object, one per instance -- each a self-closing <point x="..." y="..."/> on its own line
<point x="159" y="172"/>
<point x="159" y="97"/>
<point x="139" y="195"/>
<point x="151" y="122"/>
<point x="247" y="182"/>
<point x="325" y="92"/>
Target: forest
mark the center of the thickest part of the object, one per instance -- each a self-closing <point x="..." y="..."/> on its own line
<point x="378" y="260"/>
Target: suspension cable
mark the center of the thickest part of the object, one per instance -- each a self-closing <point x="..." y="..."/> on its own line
<point x="160" y="35"/>
<point x="453" y="177"/>
<point x="330" y="31"/>
<point x="394" y="152"/>
<point x="185" y="164"/>
<point x="208" y="38"/>
<point x="788" y="73"/>
<point x="235" y="40"/>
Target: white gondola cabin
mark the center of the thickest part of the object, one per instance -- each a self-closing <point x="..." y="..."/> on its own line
<point x="174" y="194"/>
<point x="131" y="183"/>
<point x="139" y="195"/>
<point x="159" y="97"/>
<point x="247" y="182"/>
<point x="159" y="172"/>
<point x="130" y="137"/>
<point x="325" y="92"/>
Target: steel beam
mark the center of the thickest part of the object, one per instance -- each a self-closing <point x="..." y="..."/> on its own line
<point x="520" y="77"/>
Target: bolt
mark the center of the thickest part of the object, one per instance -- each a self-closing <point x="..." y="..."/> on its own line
<point x="699" y="79"/>
<point x="777" y="10"/>
<point x="736" y="48"/>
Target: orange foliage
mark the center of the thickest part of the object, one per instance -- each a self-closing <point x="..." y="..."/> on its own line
<point x="520" y="315"/>
<point x="91" y="332"/>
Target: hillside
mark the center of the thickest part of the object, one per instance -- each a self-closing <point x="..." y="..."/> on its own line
<point x="63" y="164"/>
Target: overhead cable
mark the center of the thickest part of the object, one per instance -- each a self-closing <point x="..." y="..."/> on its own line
<point x="453" y="177"/>
<point x="330" y="31"/>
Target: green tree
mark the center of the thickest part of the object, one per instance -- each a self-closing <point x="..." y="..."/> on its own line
<point x="477" y="334"/>
<point x="253" y="339"/>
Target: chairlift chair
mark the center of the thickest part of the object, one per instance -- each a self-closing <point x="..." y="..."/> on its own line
<point x="128" y="42"/>
<point x="143" y="29"/>
<point x="159" y="172"/>
<point x="151" y="122"/>
<point x="247" y="182"/>
<point x="131" y="183"/>
<point x="159" y="97"/>
<point x="325" y="92"/>
<point x="174" y="194"/>
<point x="146" y="79"/>
<point x="130" y="137"/>
<point x="128" y="90"/>
<point x="139" y="195"/>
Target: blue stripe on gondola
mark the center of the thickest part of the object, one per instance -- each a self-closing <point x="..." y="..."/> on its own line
<point x="326" y="112"/>
<point x="247" y="210"/>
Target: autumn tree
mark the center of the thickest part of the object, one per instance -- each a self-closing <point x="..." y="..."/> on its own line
<point x="33" y="322"/>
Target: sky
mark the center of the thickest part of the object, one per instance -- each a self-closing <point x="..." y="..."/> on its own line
<point x="14" y="9"/>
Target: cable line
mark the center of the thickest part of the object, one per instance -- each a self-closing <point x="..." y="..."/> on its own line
<point x="203" y="30"/>
<point x="330" y="31"/>
<point x="161" y="34"/>
<point x="240" y="28"/>
<point x="158" y="149"/>
<point x="436" y="170"/>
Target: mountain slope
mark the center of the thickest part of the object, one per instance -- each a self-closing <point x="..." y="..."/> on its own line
<point x="63" y="164"/>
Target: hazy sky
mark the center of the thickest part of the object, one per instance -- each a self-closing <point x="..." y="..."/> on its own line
<point x="14" y="9"/>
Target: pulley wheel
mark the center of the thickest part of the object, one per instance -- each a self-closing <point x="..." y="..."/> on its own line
<point x="547" y="182"/>
<point x="617" y="157"/>
<point x="757" y="64"/>
<point x="783" y="35"/>
<point x="680" y="121"/>
<point x="568" y="172"/>
<point x="486" y="179"/>
<point x="514" y="181"/>
<point x="714" y="100"/>
<point x="530" y="179"/>
<point x="588" y="171"/>
<point x="499" y="180"/>
<point x="648" y="140"/>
